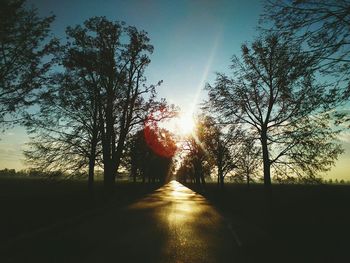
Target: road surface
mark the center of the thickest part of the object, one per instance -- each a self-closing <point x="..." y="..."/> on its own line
<point x="173" y="224"/>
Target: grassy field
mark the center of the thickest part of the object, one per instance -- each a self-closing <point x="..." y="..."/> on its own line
<point x="31" y="204"/>
<point x="292" y="223"/>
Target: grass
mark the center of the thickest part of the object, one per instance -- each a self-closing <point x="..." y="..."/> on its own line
<point x="292" y="223"/>
<point x="29" y="204"/>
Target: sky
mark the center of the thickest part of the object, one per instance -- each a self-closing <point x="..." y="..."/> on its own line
<point x="192" y="40"/>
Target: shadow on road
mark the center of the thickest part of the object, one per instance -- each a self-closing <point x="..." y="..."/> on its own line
<point x="173" y="224"/>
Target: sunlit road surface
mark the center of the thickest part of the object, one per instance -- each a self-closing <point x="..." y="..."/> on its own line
<point x="174" y="224"/>
<point x="193" y="229"/>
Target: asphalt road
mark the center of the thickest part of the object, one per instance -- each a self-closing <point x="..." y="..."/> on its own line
<point x="173" y="224"/>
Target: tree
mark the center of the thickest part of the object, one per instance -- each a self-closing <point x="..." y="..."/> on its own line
<point x="151" y="153"/>
<point x="248" y="161"/>
<point x="219" y="146"/>
<point x="196" y="156"/>
<point x="24" y="57"/>
<point x="185" y="171"/>
<point x="110" y="58"/>
<point x="323" y="26"/>
<point x="120" y="76"/>
<point x="273" y="93"/>
<point x="66" y="128"/>
<point x="98" y="99"/>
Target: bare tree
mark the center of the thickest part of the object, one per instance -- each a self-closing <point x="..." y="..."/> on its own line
<point x="196" y="156"/>
<point x="218" y="145"/>
<point x="273" y="93"/>
<point x="185" y="172"/>
<point x="248" y="160"/>
<point x="113" y="57"/>
<point x="322" y="26"/>
<point x="66" y="128"/>
<point x="151" y="153"/>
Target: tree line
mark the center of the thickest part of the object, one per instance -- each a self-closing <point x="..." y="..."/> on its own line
<point x="86" y="101"/>
<point x="92" y="93"/>
<point x="282" y="107"/>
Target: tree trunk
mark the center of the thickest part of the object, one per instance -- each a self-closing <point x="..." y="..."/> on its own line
<point x="92" y="157"/>
<point x="201" y="175"/>
<point x="221" y="178"/>
<point x="94" y="139"/>
<point x="266" y="160"/>
<point x="107" y="143"/>
<point x="91" y="173"/>
<point x="133" y="173"/>
<point x="108" y="175"/>
<point x="196" y="171"/>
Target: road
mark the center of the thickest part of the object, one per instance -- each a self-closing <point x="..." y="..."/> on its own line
<point x="173" y="224"/>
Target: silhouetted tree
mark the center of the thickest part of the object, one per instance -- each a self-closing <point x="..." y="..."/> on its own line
<point x="323" y="27"/>
<point x="151" y="153"/>
<point x="197" y="155"/>
<point x="218" y="145"/>
<point x="273" y="93"/>
<point x="185" y="172"/>
<point x="112" y="57"/>
<point x="25" y="46"/>
<point x="66" y="128"/>
<point x="248" y="160"/>
<point x="96" y="100"/>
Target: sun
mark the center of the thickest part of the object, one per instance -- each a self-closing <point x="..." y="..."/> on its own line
<point x="185" y="124"/>
<point x="182" y="125"/>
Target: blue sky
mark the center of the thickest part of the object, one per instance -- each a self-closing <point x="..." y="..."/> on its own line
<point x="193" y="39"/>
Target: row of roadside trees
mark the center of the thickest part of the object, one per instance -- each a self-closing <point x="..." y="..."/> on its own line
<point x="284" y="104"/>
<point x="88" y="93"/>
<point x="87" y="103"/>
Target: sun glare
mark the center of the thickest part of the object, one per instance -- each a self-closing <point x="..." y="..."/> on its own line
<point x="181" y="125"/>
<point x="185" y="124"/>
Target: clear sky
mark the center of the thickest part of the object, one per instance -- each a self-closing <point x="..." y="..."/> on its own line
<point x="192" y="40"/>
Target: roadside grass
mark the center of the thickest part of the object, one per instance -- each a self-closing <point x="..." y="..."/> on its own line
<point x="291" y="223"/>
<point x="28" y="204"/>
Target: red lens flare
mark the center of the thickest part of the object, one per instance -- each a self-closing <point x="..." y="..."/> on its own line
<point x="158" y="139"/>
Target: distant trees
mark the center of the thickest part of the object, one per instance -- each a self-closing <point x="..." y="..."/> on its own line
<point x="274" y="95"/>
<point x="207" y="150"/>
<point x="197" y="160"/>
<point x="151" y="153"/>
<point x="218" y="146"/>
<point x="25" y="46"/>
<point x="248" y="161"/>
<point x="36" y="173"/>
<point x="185" y="173"/>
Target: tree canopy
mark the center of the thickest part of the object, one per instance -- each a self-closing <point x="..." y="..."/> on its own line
<point x="323" y="28"/>
<point x="99" y="99"/>
<point x="25" y="58"/>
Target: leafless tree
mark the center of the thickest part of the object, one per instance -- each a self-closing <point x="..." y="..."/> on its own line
<point x="25" y="49"/>
<point x="273" y="93"/>
<point x="322" y="27"/>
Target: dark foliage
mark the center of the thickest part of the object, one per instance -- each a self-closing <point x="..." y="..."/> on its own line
<point x="274" y="95"/>
<point x="25" y="60"/>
